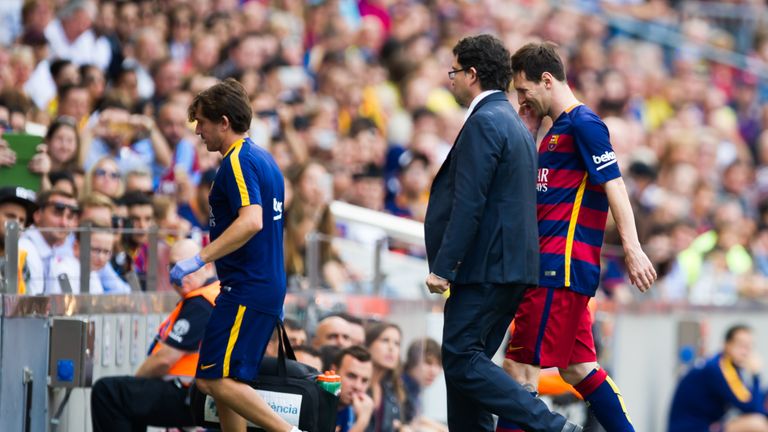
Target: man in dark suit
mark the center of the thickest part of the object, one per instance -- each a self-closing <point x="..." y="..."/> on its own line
<point x="482" y="243"/>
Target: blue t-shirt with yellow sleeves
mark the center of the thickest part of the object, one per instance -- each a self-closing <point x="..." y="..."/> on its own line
<point x="255" y="273"/>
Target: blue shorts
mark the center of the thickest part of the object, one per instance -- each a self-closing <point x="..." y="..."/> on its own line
<point x="234" y="342"/>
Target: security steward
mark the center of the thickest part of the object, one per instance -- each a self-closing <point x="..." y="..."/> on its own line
<point x="157" y="395"/>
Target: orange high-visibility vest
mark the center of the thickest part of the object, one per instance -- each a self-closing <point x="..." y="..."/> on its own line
<point x="187" y="364"/>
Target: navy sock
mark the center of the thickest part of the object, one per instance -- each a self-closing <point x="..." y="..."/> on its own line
<point x="604" y="400"/>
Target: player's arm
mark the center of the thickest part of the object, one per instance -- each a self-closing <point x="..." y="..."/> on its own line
<point x="248" y="223"/>
<point x="594" y="147"/>
<point x="160" y="362"/>
<point x="639" y="267"/>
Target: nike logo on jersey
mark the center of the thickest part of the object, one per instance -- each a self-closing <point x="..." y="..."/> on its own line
<point x="204" y="367"/>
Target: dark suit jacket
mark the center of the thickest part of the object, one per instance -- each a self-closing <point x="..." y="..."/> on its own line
<point x="481" y="223"/>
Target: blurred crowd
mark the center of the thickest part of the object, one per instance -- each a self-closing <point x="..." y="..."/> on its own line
<point x="382" y="384"/>
<point x="352" y="99"/>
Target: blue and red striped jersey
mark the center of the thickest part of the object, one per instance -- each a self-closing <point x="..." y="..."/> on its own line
<point x="575" y="160"/>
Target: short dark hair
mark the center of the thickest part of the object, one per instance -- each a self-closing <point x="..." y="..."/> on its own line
<point x="490" y="59"/>
<point x="57" y="66"/>
<point x="359" y="352"/>
<point x="307" y="349"/>
<point x="66" y="89"/>
<point x="328" y="356"/>
<point x="348" y="317"/>
<point x="731" y="333"/>
<point x="136" y="198"/>
<point x="227" y="98"/>
<point x="292" y="324"/>
<point x="422" y="349"/>
<point x="45" y="196"/>
<point x="536" y="58"/>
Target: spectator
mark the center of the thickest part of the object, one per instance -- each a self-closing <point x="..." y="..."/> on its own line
<point x="67" y="267"/>
<point x="193" y="201"/>
<point x="173" y="227"/>
<point x="172" y="122"/>
<point x="141" y="217"/>
<point x="16" y="204"/>
<point x="383" y="342"/>
<point x="139" y="180"/>
<point x="134" y="141"/>
<point x="50" y="238"/>
<point x="309" y="356"/>
<point x="296" y="333"/>
<point x="729" y="379"/>
<point x="75" y="101"/>
<point x="70" y="35"/>
<point x="68" y="181"/>
<point x="332" y="330"/>
<point x="423" y="363"/>
<point x="105" y="178"/>
<point x="63" y="144"/>
<point x="310" y="213"/>
<point x="354" y="366"/>
<point x="412" y="190"/>
<point x="356" y="328"/>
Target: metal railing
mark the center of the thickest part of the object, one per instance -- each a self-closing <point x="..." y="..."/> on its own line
<point x="10" y="283"/>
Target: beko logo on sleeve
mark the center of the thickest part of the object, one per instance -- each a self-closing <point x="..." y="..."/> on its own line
<point x="606" y="159"/>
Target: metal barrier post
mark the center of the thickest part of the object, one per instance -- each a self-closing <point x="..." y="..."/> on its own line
<point x="312" y="260"/>
<point x="12" y="232"/>
<point x="378" y="276"/>
<point x="152" y="257"/>
<point x="84" y="243"/>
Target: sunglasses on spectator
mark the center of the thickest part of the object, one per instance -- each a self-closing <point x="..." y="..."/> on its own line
<point x="114" y="175"/>
<point x="59" y="209"/>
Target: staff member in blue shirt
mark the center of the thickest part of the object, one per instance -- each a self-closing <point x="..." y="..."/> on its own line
<point x="246" y="225"/>
<point x="706" y="393"/>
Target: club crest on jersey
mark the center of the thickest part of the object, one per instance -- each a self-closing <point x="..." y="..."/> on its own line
<point x="553" y="142"/>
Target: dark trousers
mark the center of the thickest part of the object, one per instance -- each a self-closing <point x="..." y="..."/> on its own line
<point x="476" y="319"/>
<point x="130" y="404"/>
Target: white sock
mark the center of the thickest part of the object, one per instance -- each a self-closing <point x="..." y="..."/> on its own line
<point x="295" y="429"/>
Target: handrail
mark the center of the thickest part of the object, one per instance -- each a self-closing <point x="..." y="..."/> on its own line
<point x="398" y="228"/>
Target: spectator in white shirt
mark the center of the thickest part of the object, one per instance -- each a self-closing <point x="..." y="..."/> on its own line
<point x="71" y="37"/>
<point x="49" y="238"/>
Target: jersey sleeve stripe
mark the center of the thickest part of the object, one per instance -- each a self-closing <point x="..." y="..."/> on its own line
<point x="245" y="199"/>
<point x="572" y="229"/>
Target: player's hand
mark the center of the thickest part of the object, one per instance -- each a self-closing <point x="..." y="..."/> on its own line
<point x="640" y="270"/>
<point x="531" y="120"/>
<point x="185" y="267"/>
<point x="754" y="364"/>
<point x="7" y="156"/>
<point x="41" y="161"/>
<point x="362" y="405"/>
<point x="436" y="284"/>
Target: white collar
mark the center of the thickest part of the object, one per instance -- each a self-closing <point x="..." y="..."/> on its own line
<point x="476" y="101"/>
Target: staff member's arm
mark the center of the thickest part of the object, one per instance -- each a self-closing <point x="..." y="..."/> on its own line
<point x="248" y="223"/>
<point x="639" y="267"/>
<point x="160" y="362"/>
